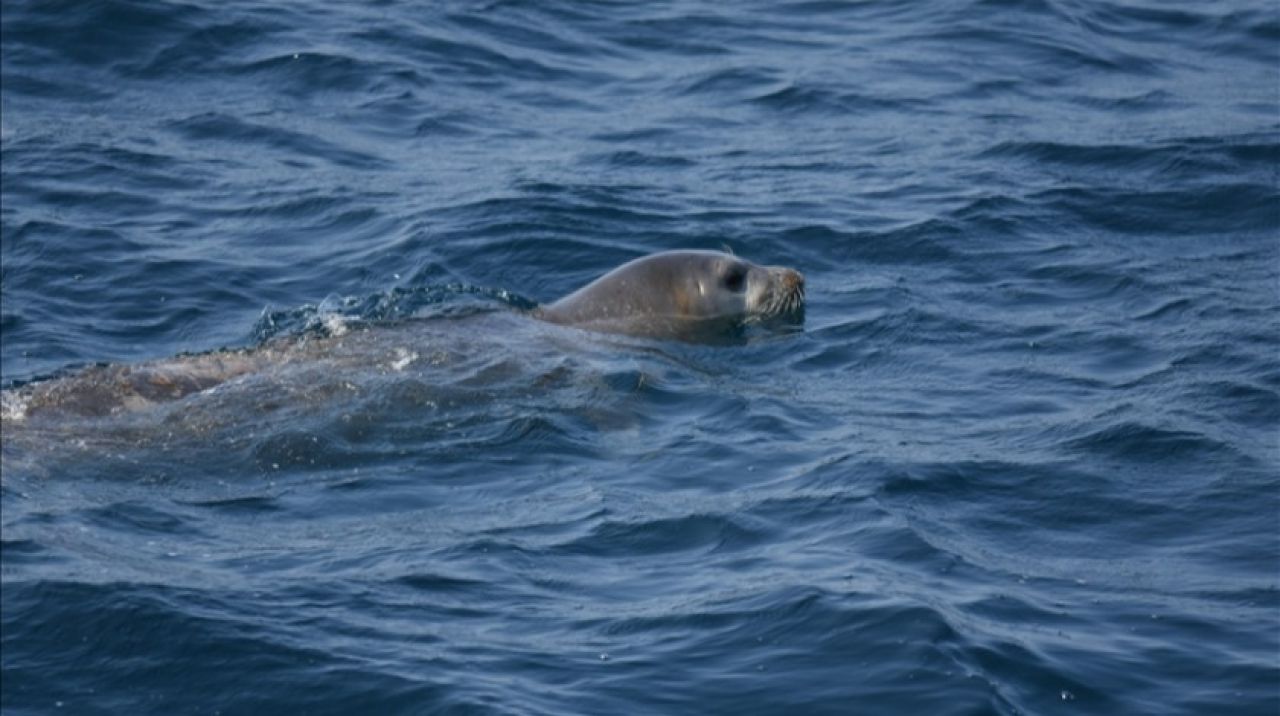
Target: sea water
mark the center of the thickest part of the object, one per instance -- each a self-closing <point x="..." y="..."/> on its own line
<point x="1023" y="458"/>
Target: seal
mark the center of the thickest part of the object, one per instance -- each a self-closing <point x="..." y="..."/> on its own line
<point x="695" y="296"/>
<point x="686" y="295"/>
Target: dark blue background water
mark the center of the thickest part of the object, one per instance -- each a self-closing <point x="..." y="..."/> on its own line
<point x="1024" y="458"/>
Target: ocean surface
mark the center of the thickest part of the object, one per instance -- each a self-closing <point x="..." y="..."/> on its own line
<point x="1024" y="458"/>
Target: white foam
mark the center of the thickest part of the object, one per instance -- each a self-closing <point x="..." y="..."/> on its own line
<point x="335" y="324"/>
<point x="13" y="406"/>
<point x="403" y="358"/>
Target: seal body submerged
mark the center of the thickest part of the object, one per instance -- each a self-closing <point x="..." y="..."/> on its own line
<point x="702" y="296"/>
<point x="686" y="295"/>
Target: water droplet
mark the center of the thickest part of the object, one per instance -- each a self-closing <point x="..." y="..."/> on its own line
<point x="1068" y="696"/>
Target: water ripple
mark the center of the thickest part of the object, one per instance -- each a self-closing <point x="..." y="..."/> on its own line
<point x="1021" y="458"/>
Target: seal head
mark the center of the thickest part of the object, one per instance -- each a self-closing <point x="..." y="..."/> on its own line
<point x="686" y="295"/>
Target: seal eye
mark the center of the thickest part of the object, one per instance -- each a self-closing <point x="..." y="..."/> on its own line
<point x="735" y="280"/>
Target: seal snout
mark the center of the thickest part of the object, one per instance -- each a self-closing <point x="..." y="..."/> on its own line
<point x="792" y="281"/>
<point x="784" y="297"/>
<point x="792" y="290"/>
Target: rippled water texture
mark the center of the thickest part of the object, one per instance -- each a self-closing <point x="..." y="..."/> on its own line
<point x="1023" y="459"/>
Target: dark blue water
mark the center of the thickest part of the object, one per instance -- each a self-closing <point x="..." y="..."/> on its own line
<point x="1024" y="458"/>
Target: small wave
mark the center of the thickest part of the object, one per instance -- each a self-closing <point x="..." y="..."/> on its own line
<point x="1147" y="444"/>
<point x="705" y="533"/>
<point x="798" y="99"/>
<point x="921" y="242"/>
<point x="1222" y="209"/>
<point x="1195" y="158"/>
<point x="213" y="126"/>
<point x="641" y="159"/>
<point x="733" y="81"/>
